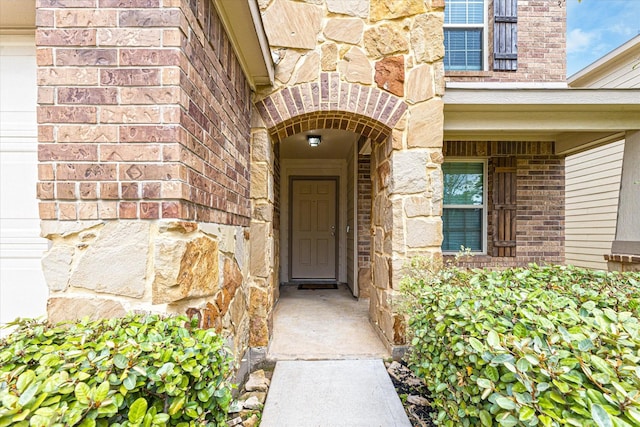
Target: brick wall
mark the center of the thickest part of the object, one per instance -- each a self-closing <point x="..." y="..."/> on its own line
<point x="364" y="211"/>
<point x="143" y="113"/>
<point x="540" y="200"/>
<point x="541" y="46"/>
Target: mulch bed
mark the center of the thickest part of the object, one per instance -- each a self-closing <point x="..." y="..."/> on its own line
<point x="413" y="394"/>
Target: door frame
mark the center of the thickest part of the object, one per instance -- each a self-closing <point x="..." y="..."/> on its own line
<point x="336" y="179"/>
<point x="310" y="167"/>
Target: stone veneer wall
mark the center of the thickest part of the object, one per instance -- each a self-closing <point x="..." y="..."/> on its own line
<point x="539" y="200"/>
<point x="144" y="129"/>
<point x="541" y="45"/>
<point x="373" y="67"/>
<point x="264" y="255"/>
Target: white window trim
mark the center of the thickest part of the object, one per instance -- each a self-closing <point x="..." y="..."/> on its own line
<point x="485" y="38"/>
<point x="485" y="213"/>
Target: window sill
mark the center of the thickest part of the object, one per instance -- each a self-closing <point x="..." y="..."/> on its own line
<point x="472" y="254"/>
<point x="451" y="73"/>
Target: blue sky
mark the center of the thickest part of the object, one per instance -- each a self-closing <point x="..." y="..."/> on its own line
<point x="596" y="27"/>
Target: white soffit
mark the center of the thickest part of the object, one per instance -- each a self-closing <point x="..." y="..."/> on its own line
<point x="540" y="112"/>
<point x="243" y="24"/>
<point x="574" y="118"/>
<point x="17" y="16"/>
<point x="541" y="99"/>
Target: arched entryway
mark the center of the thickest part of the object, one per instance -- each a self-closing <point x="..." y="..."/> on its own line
<point x="376" y="123"/>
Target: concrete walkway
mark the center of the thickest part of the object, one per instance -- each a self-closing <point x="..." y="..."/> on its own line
<point x="321" y="325"/>
<point x="332" y="393"/>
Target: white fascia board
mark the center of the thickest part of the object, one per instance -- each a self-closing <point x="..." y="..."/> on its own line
<point x="505" y="85"/>
<point x="242" y="22"/>
<point x="541" y="99"/>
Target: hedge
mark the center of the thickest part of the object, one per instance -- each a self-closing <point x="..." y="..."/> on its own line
<point x="140" y="370"/>
<point x="550" y="346"/>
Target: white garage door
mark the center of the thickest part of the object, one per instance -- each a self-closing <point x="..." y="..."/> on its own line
<point x="23" y="292"/>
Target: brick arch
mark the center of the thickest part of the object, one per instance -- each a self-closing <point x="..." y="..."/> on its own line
<point x="331" y="104"/>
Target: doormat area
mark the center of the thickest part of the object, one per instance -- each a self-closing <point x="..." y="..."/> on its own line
<point x="316" y="286"/>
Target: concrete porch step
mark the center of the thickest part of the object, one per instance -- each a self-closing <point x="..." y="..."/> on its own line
<point x="332" y="393"/>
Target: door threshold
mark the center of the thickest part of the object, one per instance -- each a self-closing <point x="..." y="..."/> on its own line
<point x="316" y="286"/>
<point x="306" y="281"/>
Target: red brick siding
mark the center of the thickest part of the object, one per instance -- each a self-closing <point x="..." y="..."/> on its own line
<point x="143" y="113"/>
<point x="540" y="200"/>
<point x="276" y="186"/>
<point x="541" y="46"/>
<point x="364" y="211"/>
<point x="217" y="117"/>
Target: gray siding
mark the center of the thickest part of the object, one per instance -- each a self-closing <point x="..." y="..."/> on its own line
<point x="592" y="187"/>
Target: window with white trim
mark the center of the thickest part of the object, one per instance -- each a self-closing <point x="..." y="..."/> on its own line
<point x="464" y="34"/>
<point x="464" y="208"/>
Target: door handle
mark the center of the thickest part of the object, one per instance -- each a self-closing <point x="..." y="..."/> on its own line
<point x="333" y="231"/>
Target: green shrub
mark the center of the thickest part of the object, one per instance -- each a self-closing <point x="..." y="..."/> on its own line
<point x="141" y="370"/>
<point x="550" y="346"/>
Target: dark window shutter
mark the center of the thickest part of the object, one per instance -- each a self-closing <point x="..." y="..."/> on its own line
<point x="504" y="206"/>
<point x="505" y="35"/>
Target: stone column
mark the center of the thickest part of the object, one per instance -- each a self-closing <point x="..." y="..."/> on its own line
<point x="625" y="250"/>
<point x="263" y="253"/>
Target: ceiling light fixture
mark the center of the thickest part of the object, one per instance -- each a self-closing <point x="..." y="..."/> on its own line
<point x="314" y="140"/>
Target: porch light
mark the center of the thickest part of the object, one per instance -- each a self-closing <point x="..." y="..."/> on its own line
<point x="314" y="140"/>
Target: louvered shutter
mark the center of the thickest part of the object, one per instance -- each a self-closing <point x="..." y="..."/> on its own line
<point x="505" y="35"/>
<point x="504" y="207"/>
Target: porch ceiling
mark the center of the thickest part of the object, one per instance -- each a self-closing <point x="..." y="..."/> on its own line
<point x="576" y="119"/>
<point x="336" y="144"/>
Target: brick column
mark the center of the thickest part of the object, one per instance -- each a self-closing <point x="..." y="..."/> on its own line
<point x="144" y="127"/>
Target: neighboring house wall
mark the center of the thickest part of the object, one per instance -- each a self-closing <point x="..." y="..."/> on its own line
<point x="144" y="136"/>
<point x="594" y="176"/>
<point x="539" y="200"/>
<point x="593" y="186"/>
<point x="619" y="68"/>
<point x="541" y="41"/>
<point x="23" y="292"/>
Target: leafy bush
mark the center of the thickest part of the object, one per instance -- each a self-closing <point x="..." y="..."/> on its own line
<point x="550" y="346"/>
<point x="132" y="371"/>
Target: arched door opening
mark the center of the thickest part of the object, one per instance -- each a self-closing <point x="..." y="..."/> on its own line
<point x="319" y="201"/>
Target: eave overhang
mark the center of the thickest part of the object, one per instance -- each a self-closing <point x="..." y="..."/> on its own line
<point x="576" y="119"/>
<point x="243" y="24"/>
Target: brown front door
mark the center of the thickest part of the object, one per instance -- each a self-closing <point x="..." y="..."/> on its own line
<point x="313" y="229"/>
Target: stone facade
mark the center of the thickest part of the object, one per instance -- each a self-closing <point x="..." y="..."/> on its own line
<point x="144" y="130"/>
<point x="159" y="168"/>
<point x="107" y="268"/>
<point x="373" y="68"/>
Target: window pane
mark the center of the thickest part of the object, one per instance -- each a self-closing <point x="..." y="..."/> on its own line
<point x="475" y="14"/>
<point x="463" y="183"/>
<point x="464" y="12"/>
<point x="462" y="227"/>
<point x="463" y="49"/>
